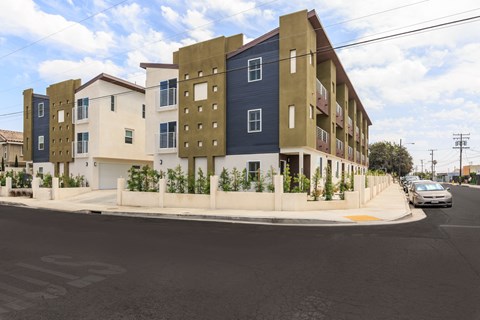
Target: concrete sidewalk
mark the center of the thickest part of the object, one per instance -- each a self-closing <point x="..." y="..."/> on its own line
<point x="388" y="207"/>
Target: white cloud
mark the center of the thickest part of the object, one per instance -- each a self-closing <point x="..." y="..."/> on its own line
<point x="23" y="18"/>
<point x="53" y="71"/>
<point x="131" y="17"/>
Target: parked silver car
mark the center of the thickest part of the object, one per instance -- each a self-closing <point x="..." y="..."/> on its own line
<point x="429" y="193"/>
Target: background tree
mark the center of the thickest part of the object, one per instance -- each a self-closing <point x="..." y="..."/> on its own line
<point x="3" y="165"/>
<point x="16" y="161"/>
<point x="390" y="158"/>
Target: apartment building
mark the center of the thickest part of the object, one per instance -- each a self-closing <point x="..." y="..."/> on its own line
<point x="11" y="148"/>
<point x="109" y="136"/>
<point x="283" y="98"/>
<point x="48" y="127"/>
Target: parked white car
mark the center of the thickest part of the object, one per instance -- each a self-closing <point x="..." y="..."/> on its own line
<point x="429" y="193"/>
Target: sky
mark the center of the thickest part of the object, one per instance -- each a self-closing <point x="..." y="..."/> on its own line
<point x="420" y="89"/>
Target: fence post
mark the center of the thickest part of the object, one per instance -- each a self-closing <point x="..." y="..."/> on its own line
<point x="8" y="185"/>
<point x="359" y="185"/>
<point x="213" y="191"/>
<point x="162" y="186"/>
<point x="120" y="188"/>
<point x="55" y="187"/>
<point x="278" y="185"/>
<point x="35" y="187"/>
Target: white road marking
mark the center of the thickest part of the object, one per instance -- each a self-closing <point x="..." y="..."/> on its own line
<point x="52" y="272"/>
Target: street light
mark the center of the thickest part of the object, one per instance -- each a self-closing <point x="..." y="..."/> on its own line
<point x="399" y="159"/>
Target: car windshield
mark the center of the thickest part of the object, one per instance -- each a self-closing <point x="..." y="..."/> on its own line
<point x="412" y="178"/>
<point x="429" y="187"/>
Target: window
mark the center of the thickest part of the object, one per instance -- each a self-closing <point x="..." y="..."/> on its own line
<point x="82" y="109"/>
<point x="255" y="120"/>
<point x="168" y="131"/>
<point x="128" y="136"/>
<point x="311" y="58"/>
<point x="214" y="143"/>
<point x="41" y="110"/>
<point x="143" y="111"/>
<point x="199" y="126"/>
<point x="214" y="106"/>
<point x="215" y="70"/>
<point x="82" y="142"/>
<point x="186" y="76"/>
<point x="185" y="144"/>
<point x="254" y="69"/>
<point x="337" y="172"/>
<point x="214" y="124"/>
<point x="291" y="117"/>
<point x="185" y="93"/>
<point x="200" y="108"/>
<point x="200" y="91"/>
<point x="61" y="116"/>
<point x="40" y="170"/>
<point x="200" y="73"/>
<point x="112" y="103"/>
<point x="293" y="61"/>
<point x="41" y="142"/>
<point x="253" y="168"/>
<point x="215" y="88"/>
<point x="26" y="112"/>
<point x="185" y="127"/>
<point x="200" y="144"/>
<point x="168" y="92"/>
<point x="311" y="112"/>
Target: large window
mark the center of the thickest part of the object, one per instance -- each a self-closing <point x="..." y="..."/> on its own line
<point x="168" y="135"/>
<point x="82" y="109"/>
<point x="168" y="93"/>
<point x="128" y="136"/>
<point x="82" y="142"/>
<point x="41" y="110"/>
<point x="253" y="168"/>
<point x="41" y="142"/>
<point x="254" y="69"/>
<point x="255" y="120"/>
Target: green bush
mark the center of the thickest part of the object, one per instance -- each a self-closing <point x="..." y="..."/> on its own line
<point x="236" y="179"/>
<point x="224" y="182"/>
<point x="302" y="183"/>
<point x="329" y="188"/>
<point x="316" y="191"/>
<point x="144" y="179"/>
<point x="271" y="179"/>
<point x="287" y="179"/>
<point x="246" y="182"/>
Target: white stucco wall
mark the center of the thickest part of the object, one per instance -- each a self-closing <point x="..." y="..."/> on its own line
<point x="47" y="167"/>
<point x="267" y="160"/>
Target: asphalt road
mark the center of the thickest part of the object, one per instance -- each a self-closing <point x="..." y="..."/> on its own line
<point x="70" y="266"/>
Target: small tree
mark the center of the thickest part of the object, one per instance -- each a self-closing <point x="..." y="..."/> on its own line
<point x="171" y="180"/>
<point x="302" y="184"/>
<point x="3" y="165"/>
<point x="260" y="182"/>
<point x="224" y="181"/>
<point x="246" y="182"/>
<point x="287" y="179"/>
<point x="343" y="186"/>
<point x="328" y="189"/>
<point x="317" y="176"/>
<point x="181" y="182"/>
<point x="16" y="161"/>
<point x="236" y="179"/>
<point x="352" y="181"/>
<point x="191" y="183"/>
<point x="201" y="182"/>
<point x="271" y="179"/>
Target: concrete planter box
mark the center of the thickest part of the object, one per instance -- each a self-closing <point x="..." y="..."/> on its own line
<point x="140" y="199"/>
<point x="64" y="193"/>
<point x="182" y="200"/>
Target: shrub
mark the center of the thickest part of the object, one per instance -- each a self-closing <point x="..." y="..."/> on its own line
<point x="271" y="179"/>
<point x="328" y="190"/>
<point x="260" y="182"/>
<point x="236" y="179"/>
<point x="144" y="179"/>
<point x="302" y="183"/>
<point x="287" y="179"/>
<point x="201" y="183"/>
<point x="224" y="181"/>
<point x="317" y="176"/>
<point x="246" y="182"/>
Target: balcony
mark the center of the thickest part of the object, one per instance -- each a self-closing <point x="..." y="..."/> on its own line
<point x="166" y="142"/>
<point x="350" y="126"/>
<point x="323" y="140"/>
<point x="340" y="151"/>
<point x="166" y="99"/>
<point x="362" y="142"/>
<point x="350" y="153"/>
<point x="357" y="134"/>
<point x="363" y="160"/>
<point x="322" y="98"/>
<point x="357" y="158"/>
<point x="80" y="114"/>
<point x="340" y="120"/>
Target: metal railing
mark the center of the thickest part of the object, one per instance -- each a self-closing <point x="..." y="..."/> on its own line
<point x="81" y="147"/>
<point x="339" y="144"/>
<point x="165" y="140"/>
<point x="322" y="134"/>
<point x="322" y="90"/>
<point x="350" y="122"/>
<point x="168" y="97"/>
<point x="350" y="151"/>
<point x="339" y="110"/>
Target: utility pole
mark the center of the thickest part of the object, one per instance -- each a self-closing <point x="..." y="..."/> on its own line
<point x="431" y="153"/>
<point x="461" y="143"/>
<point x="421" y="160"/>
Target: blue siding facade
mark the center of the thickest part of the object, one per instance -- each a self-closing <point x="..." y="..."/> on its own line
<point x="243" y="96"/>
<point x="41" y="127"/>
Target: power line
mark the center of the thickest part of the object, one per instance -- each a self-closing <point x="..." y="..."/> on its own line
<point x="61" y="30"/>
<point x="320" y="50"/>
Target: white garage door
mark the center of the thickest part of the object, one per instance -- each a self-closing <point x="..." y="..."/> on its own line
<point x="110" y="172"/>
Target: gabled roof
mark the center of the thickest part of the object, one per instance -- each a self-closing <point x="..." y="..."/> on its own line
<point x="11" y="136"/>
<point x="114" y="80"/>
<point x="146" y="65"/>
<point x="254" y="42"/>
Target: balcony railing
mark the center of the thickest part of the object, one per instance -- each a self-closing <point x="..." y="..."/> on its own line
<point x="339" y="118"/>
<point x="357" y="133"/>
<point x="165" y="98"/>
<point x="350" y="153"/>
<point x="322" y="98"/>
<point x="165" y="142"/>
<point x="339" y="110"/>
<point x="322" y="90"/>
<point x="350" y="126"/>
<point x="340" y="152"/>
<point x="80" y="148"/>
<point x="80" y="114"/>
<point x="322" y="140"/>
<point x="357" y="157"/>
